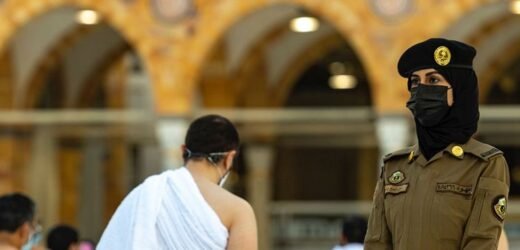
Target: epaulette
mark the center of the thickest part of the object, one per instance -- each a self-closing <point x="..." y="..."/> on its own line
<point x="402" y="152"/>
<point x="490" y="153"/>
<point x="482" y="150"/>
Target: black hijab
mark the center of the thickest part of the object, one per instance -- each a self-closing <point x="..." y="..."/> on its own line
<point x="453" y="60"/>
<point x="460" y="123"/>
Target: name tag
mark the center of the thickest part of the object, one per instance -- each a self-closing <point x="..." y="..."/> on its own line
<point x="396" y="189"/>
<point x="454" y="188"/>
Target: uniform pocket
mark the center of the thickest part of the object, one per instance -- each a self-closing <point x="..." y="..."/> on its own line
<point x="450" y="212"/>
<point x="395" y="196"/>
<point x="484" y="222"/>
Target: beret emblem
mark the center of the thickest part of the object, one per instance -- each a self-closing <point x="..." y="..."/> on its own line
<point x="442" y="55"/>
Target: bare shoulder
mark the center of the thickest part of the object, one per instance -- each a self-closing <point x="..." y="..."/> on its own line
<point x="235" y="203"/>
<point x="243" y="207"/>
<point x="242" y="231"/>
<point x="227" y="205"/>
<point x="235" y="213"/>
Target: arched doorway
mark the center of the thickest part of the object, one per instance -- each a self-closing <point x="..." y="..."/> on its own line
<point x="77" y="166"/>
<point x="310" y="136"/>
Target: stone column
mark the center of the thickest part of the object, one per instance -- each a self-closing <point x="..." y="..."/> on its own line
<point x="7" y="147"/>
<point x="171" y="133"/>
<point x="7" y="139"/>
<point x="116" y="175"/>
<point x="43" y="180"/>
<point x="393" y="132"/>
<point x="92" y="190"/>
<point x="69" y="158"/>
<point x="259" y="159"/>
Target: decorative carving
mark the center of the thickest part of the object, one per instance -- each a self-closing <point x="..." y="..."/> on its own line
<point x="173" y="11"/>
<point x="391" y="9"/>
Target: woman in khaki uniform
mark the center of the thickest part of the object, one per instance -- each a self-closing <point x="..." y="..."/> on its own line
<point x="449" y="191"/>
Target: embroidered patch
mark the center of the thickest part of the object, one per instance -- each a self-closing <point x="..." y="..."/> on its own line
<point x="490" y="152"/>
<point x="500" y="207"/>
<point x="396" y="177"/>
<point x="454" y="188"/>
<point x="396" y="189"/>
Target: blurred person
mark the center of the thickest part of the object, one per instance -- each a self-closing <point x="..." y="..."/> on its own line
<point x="87" y="245"/>
<point x="353" y="231"/>
<point x="63" y="237"/>
<point x="450" y="191"/>
<point x="187" y="208"/>
<point x="17" y="229"/>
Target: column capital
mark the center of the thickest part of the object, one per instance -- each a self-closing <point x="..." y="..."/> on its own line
<point x="171" y="133"/>
<point x="393" y="132"/>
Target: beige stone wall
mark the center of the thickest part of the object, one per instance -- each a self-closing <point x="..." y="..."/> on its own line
<point x="175" y="57"/>
<point x="378" y="43"/>
<point x="174" y="54"/>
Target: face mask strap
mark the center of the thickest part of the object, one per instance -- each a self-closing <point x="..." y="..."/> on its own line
<point x="223" y="179"/>
<point x="188" y="153"/>
<point x="213" y="158"/>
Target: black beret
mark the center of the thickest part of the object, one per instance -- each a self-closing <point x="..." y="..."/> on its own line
<point x="436" y="53"/>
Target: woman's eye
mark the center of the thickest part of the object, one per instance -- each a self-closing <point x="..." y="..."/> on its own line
<point x="433" y="80"/>
<point x="414" y="82"/>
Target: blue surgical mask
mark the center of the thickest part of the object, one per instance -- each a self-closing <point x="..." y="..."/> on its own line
<point x="34" y="239"/>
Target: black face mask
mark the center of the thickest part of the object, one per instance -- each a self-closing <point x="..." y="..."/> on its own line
<point x="429" y="104"/>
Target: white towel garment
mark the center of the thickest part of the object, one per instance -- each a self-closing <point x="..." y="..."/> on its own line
<point x="166" y="211"/>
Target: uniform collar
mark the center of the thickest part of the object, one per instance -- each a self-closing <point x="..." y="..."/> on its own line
<point x="470" y="147"/>
<point x="454" y="149"/>
<point x="416" y="152"/>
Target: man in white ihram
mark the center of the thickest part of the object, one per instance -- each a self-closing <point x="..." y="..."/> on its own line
<point x="353" y="232"/>
<point x="187" y="208"/>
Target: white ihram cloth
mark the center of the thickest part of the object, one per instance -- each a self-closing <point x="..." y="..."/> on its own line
<point x="351" y="246"/>
<point x="166" y="211"/>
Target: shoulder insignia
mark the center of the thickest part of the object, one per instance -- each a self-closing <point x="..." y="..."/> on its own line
<point x="482" y="150"/>
<point x="488" y="154"/>
<point x="500" y="207"/>
<point x="402" y="152"/>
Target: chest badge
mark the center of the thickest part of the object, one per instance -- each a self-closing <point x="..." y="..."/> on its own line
<point x="457" y="151"/>
<point x="396" y="177"/>
<point x="500" y="206"/>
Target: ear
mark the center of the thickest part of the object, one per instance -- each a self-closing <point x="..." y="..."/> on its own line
<point x="24" y="231"/>
<point x="183" y="148"/>
<point x="228" y="163"/>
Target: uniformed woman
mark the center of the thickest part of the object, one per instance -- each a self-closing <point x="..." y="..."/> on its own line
<point x="449" y="191"/>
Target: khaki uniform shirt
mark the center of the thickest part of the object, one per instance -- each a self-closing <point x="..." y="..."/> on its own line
<point x="456" y="200"/>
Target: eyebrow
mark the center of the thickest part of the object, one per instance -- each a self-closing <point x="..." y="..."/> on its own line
<point x="427" y="74"/>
